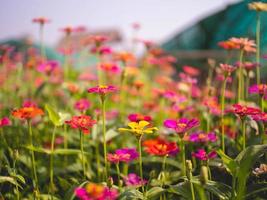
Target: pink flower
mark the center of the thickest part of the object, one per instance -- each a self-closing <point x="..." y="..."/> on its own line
<point x="82" y="105"/>
<point x="5" y="121"/>
<point x="260" y="117"/>
<point x="123" y="155"/>
<point x="102" y="89"/>
<point x="182" y="125"/>
<point x="227" y="69"/>
<point x="110" y="68"/>
<point x="48" y="67"/>
<point x="243" y="111"/>
<point x="258" y="89"/>
<point x="201" y="154"/>
<point x="191" y="71"/>
<point x="201" y="137"/>
<point x="134" y="180"/>
<point x="244" y="44"/>
<point x="41" y="20"/>
<point x="136" y="117"/>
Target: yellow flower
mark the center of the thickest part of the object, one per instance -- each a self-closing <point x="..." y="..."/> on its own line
<point x="258" y="6"/>
<point x="138" y="128"/>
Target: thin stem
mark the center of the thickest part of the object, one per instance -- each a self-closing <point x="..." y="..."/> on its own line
<point x="183" y="156"/>
<point x="243" y="124"/>
<point x="262" y="103"/>
<point x="222" y="112"/>
<point x="104" y="135"/>
<point x="240" y="76"/>
<point x="17" y="188"/>
<point x="52" y="163"/>
<point x="35" y="179"/>
<point x="65" y="144"/>
<point x="97" y="160"/>
<point x="118" y="173"/>
<point x="140" y="159"/>
<point x="42" y="41"/>
<point x="258" y="29"/>
<point x="82" y="152"/>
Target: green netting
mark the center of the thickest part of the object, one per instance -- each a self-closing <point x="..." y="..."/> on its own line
<point x="234" y="21"/>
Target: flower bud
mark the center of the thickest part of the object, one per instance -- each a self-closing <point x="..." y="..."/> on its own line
<point x="204" y="175"/>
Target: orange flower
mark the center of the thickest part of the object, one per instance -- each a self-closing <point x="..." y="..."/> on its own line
<point x="160" y="147"/>
<point x="27" y="112"/>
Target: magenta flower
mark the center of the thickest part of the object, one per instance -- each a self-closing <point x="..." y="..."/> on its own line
<point x="182" y="125"/>
<point x="5" y="121"/>
<point x="47" y="67"/>
<point x="134" y="180"/>
<point x="123" y="155"/>
<point x="201" y="154"/>
<point x="82" y="105"/>
<point x="260" y="117"/>
<point x="136" y="117"/>
<point x="258" y="89"/>
<point x="81" y="194"/>
<point x="102" y="89"/>
<point x="201" y="137"/>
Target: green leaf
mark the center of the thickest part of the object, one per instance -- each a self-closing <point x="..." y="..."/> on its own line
<point x="229" y="163"/>
<point x="181" y="189"/>
<point x="56" y="151"/>
<point x="8" y="179"/>
<point x="131" y="194"/>
<point x="154" y="192"/>
<point x="53" y="115"/>
<point x="245" y="160"/>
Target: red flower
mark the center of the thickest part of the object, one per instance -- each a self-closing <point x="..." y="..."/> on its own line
<point x="192" y="71"/>
<point x="243" y="111"/>
<point x="138" y="117"/>
<point x="82" y="122"/>
<point x="160" y="147"/>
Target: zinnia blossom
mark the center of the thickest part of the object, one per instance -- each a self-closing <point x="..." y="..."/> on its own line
<point x="48" y="67"/>
<point x="5" y="121"/>
<point x="192" y="71"/>
<point x="102" y="89"/>
<point x="261" y="117"/>
<point x="40" y="20"/>
<point x="133" y="180"/>
<point x="139" y="128"/>
<point x="110" y="68"/>
<point x="160" y="147"/>
<point x="182" y="125"/>
<point x="201" y="154"/>
<point x="258" y="89"/>
<point x="82" y="105"/>
<point x="94" y="191"/>
<point x="27" y="112"/>
<point x="244" y="44"/>
<point x="123" y="155"/>
<point x="243" y="111"/>
<point x="227" y="69"/>
<point x="201" y="137"/>
<point x="258" y="6"/>
<point x="82" y="122"/>
<point x="136" y="117"/>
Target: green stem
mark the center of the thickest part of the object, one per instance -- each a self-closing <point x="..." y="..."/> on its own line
<point x="190" y="176"/>
<point x="65" y="144"/>
<point x="82" y="152"/>
<point x="118" y="173"/>
<point x="240" y="76"/>
<point x="262" y="103"/>
<point x="140" y="159"/>
<point x="183" y="156"/>
<point x="52" y="163"/>
<point x="42" y="41"/>
<point x="97" y="160"/>
<point x="104" y="134"/>
<point x="222" y="112"/>
<point x="35" y="179"/>
<point x="243" y="124"/>
<point x="17" y="188"/>
<point x="258" y="29"/>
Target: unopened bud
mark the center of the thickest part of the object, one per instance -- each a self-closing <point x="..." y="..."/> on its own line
<point x="15" y="154"/>
<point x="204" y="175"/>
<point x="189" y="165"/>
<point x="110" y="182"/>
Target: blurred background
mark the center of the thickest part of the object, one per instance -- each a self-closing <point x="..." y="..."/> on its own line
<point x="190" y="30"/>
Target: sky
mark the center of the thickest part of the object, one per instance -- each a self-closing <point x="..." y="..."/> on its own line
<point x="160" y="19"/>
